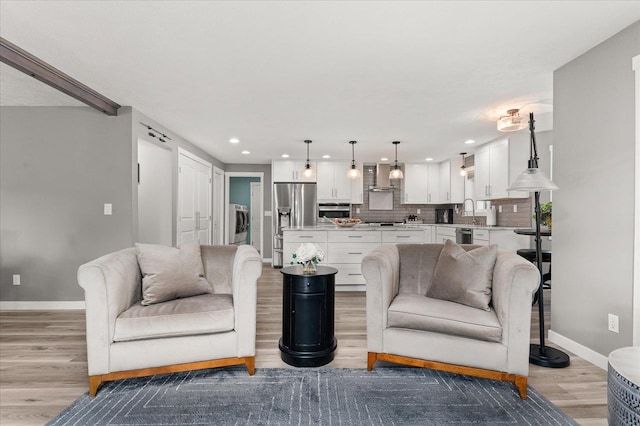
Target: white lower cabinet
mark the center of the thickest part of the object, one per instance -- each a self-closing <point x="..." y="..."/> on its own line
<point x="403" y="236"/>
<point x="444" y="233"/>
<point x="505" y="239"/>
<point x="289" y="248"/>
<point x="346" y="249"/>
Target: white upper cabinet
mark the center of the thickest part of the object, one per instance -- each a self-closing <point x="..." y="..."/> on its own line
<point x="493" y="171"/>
<point x="433" y="184"/>
<point x="421" y="184"/>
<point x="291" y="171"/>
<point x="414" y="184"/>
<point x="357" y="187"/>
<point x="333" y="183"/>
<point x="451" y="183"/>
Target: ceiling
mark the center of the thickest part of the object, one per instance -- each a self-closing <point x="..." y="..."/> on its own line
<point x="431" y="74"/>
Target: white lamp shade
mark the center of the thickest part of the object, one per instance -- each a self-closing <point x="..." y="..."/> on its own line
<point x="532" y="180"/>
<point x="396" y="174"/>
<point x="512" y="123"/>
<point x="307" y="172"/>
<point x="353" y="172"/>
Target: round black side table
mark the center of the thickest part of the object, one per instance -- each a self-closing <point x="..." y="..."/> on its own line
<point x="308" y="316"/>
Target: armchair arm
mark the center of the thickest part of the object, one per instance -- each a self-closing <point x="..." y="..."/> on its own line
<point x="381" y="269"/>
<point x="111" y="283"/>
<point x="514" y="282"/>
<point x="247" y="268"/>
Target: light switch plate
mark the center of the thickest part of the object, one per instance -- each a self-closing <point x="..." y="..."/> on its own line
<point x="357" y="210"/>
<point x="417" y="211"/>
<point x="16" y="279"/>
<point x="500" y="209"/>
<point x="515" y="208"/>
<point x="108" y="209"/>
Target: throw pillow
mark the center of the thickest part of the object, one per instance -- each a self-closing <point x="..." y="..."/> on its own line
<point x="464" y="276"/>
<point x="170" y="273"/>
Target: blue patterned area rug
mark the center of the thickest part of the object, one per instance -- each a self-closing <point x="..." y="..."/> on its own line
<point x="323" y="396"/>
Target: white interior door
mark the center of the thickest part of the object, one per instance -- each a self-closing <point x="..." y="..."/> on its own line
<point x="194" y="199"/>
<point x="155" y="200"/>
<point x="256" y="213"/>
<point x="218" y="206"/>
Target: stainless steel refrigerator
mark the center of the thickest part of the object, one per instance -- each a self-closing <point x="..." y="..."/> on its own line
<point x="294" y="204"/>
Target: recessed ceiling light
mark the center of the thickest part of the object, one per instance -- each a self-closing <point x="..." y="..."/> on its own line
<point x="234" y="140"/>
<point x="428" y="159"/>
<point x="469" y="141"/>
<point x="384" y="159"/>
<point x="246" y="152"/>
<point x="326" y="156"/>
<point x="285" y="156"/>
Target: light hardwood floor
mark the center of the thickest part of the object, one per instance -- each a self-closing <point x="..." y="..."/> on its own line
<point x="43" y="362"/>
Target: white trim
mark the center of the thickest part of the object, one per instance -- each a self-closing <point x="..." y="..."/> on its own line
<point x="635" y="64"/>
<point x="267" y="260"/>
<point x="582" y="351"/>
<point x="228" y="175"/>
<point x="40" y="305"/>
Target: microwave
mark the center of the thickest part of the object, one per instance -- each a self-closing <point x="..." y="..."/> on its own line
<point x="334" y="210"/>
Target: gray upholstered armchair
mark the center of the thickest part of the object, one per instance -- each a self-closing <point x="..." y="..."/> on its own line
<point x="407" y="327"/>
<point x="126" y="339"/>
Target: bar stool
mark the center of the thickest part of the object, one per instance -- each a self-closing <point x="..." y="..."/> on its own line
<point x="530" y="255"/>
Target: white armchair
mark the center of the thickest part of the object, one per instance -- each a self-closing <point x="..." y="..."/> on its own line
<point x="407" y="327"/>
<point x="126" y="339"/>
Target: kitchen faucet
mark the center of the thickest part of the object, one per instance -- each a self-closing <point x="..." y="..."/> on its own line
<point x="473" y="209"/>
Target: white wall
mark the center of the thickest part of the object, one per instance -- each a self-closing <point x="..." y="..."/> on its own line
<point x="593" y="211"/>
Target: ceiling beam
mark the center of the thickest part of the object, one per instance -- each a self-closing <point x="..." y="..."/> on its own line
<point x="24" y="61"/>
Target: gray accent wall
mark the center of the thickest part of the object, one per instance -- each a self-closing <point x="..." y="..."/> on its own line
<point x="593" y="212"/>
<point x="58" y="167"/>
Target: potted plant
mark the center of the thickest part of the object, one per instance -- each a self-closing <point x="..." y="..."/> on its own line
<point x="545" y="214"/>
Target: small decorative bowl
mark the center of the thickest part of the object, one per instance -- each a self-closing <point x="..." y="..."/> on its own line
<point x="345" y="223"/>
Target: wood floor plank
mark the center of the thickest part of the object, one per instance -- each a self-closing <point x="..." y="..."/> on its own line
<point x="43" y="361"/>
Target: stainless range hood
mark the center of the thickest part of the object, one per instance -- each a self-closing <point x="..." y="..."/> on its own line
<point x="382" y="182"/>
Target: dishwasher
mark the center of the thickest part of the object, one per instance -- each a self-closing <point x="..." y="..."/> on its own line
<point x="464" y="235"/>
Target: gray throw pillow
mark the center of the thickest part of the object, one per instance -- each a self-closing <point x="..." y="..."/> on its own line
<point x="170" y="273"/>
<point x="464" y="276"/>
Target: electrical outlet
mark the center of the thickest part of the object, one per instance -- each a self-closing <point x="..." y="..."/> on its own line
<point x="16" y="279"/>
<point x="613" y="323"/>
<point x="357" y="210"/>
<point x="500" y="208"/>
<point x="108" y="209"/>
<point x="417" y="211"/>
<point x="515" y="208"/>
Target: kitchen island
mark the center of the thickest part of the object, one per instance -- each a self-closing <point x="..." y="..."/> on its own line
<point x="345" y="247"/>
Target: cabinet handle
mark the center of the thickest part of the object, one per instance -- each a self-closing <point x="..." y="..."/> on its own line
<point x="447" y="196"/>
<point x="305" y="236"/>
<point x="354" y="253"/>
<point x="406" y="196"/>
<point x="403" y="236"/>
<point x="490" y="191"/>
<point x="354" y="236"/>
<point x="429" y="199"/>
<point x="353" y="274"/>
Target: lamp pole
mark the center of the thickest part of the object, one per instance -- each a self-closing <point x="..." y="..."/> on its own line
<point x="540" y="354"/>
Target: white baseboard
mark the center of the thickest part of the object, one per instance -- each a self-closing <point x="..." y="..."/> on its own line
<point x="267" y="260"/>
<point x="40" y="305"/>
<point x="582" y="351"/>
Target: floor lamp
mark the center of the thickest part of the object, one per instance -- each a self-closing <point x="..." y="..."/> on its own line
<point x="534" y="180"/>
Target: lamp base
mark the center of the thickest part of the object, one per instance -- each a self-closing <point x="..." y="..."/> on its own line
<point x="552" y="358"/>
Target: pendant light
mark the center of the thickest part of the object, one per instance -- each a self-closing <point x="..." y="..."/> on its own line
<point x="512" y="122"/>
<point x="396" y="172"/>
<point x="353" y="172"/>
<point x="463" y="169"/>
<point x="308" y="171"/>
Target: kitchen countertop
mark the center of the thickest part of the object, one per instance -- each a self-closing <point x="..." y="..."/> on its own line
<point x="404" y="226"/>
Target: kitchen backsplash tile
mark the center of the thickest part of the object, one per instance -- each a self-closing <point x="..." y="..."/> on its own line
<point x="521" y="218"/>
